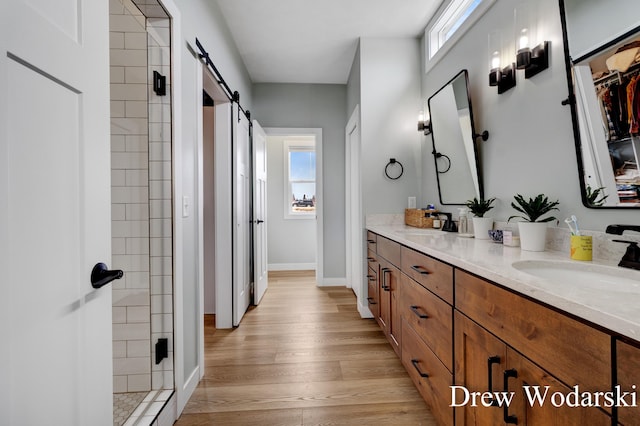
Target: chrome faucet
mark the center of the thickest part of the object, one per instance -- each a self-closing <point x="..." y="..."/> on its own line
<point x="631" y="258"/>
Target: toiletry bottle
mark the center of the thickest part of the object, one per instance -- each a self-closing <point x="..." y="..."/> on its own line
<point x="462" y="220"/>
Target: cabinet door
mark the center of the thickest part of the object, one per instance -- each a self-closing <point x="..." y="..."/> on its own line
<point x="628" y="375"/>
<point x="526" y="409"/>
<point x="384" y="293"/>
<point x="480" y="359"/>
<point x="390" y="275"/>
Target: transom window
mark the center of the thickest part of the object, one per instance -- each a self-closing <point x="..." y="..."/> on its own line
<point x="453" y="20"/>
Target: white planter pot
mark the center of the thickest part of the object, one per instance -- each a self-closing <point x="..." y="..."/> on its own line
<point x="533" y="235"/>
<point x="481" y="227"/>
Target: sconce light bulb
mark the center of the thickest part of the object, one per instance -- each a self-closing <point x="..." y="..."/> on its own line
<point x="495" y="60"/>
<point x="421" y="116"/>
<point x="524" y="39"/>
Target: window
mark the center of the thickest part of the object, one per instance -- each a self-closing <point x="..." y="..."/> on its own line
<point x="300" y="179"/>
<point x="449" y="25"/>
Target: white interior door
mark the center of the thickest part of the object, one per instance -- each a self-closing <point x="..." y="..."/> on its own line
<point x="55" y="212"/>
<point x="241" y="278"/>
<point x="261" y="276"/>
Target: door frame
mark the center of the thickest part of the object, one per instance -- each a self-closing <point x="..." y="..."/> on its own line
<point x="317" y="133"/>
<point x="354" y="221"/>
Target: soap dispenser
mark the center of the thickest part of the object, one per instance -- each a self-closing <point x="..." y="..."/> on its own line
<point x="463" y="221"/>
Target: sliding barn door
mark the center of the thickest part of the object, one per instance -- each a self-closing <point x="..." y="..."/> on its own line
<point x="260" y="273"/>
<point x="241" y="216"/>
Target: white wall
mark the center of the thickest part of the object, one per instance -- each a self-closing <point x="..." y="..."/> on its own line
<point x="204" y="20"/>
<point x="389" y="106"/>
<point x="531" y="146"/>
<point x="292" y="242"/>
<point x="315" y="106"/>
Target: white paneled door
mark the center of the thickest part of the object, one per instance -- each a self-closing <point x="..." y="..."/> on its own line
<point x="241" y="213"/>
<point x="260" y="275"/>
<point x="54" y="213"/>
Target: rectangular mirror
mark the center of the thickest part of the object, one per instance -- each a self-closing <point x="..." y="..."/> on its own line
<point x="602" y="54"/>
<point x="454" y="142"/>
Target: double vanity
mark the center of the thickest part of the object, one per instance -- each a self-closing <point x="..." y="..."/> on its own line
<point x="495" y="335"/>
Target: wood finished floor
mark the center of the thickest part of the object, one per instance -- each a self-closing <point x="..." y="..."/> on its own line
<point x="303" y="357"/>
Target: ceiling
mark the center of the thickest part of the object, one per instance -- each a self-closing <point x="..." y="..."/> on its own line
<point x="314" y="41"/>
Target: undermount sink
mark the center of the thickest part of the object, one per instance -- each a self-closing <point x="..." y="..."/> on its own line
<point x="584" y="276"/>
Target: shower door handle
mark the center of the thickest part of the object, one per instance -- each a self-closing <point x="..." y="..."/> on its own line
<point x="101" y="275"/>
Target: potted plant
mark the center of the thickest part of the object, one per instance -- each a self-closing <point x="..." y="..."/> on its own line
<point x="481" y="225"/>
<point x="533" y="231"/>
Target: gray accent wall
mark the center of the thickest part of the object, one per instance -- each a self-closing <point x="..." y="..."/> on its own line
<point x="389" y="106"/>
<point x="531" y="147"/>
<point x="315" y="106"/>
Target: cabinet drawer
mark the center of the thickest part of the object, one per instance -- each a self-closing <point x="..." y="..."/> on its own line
<point x="435" y="388"/>
<point x="388" y="249"/>
<point x="371" y="241"/>
<point x="429" y="272"/>
<point x="372" y="259"/>
<point x="430" y="317"/>
<point x="628" y="375"/>
<point x="372" y="295"/>
<point x="547" y="337"/>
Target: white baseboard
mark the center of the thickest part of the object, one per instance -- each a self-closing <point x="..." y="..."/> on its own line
<point x="364" y="311"/>
<point x="332" y="282"/>
<point x="291" y="267"/>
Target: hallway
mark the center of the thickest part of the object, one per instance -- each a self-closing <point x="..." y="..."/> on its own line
<point x="303" y="357"/>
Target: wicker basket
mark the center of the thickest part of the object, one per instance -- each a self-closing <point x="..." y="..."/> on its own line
<point x="417" y="218"/>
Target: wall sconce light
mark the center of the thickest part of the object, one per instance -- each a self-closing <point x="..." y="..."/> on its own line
<point x="531" y="60"/>
<point x="424" y="123"/>
<point x="504" y="78"/>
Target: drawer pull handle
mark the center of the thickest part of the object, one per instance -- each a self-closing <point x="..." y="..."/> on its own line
<point x="371" y="241"/>
<point x="371" y="259"/>
<point x="490" y="361"/>
<point x="415" y="311"/>
<point x="370" y="300"/>
<point x="415" y="363"/>
<point x="385" y="287"/>
<point x="509" y="418"/>
<point x="419" y="269"/>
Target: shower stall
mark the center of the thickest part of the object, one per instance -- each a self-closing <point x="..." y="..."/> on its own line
<point x="141" y="209"/>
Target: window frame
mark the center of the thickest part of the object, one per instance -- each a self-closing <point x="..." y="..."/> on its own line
<point x="300" y="145"/>
<point x="447" y="17"/>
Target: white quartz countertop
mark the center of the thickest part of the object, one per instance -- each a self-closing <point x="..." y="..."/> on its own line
<point x="615" y="308"/>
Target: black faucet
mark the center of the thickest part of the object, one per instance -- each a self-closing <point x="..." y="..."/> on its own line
<point x="631" y="258"/>
<point x="449" y="225"/>
<point x="619" y="229"/>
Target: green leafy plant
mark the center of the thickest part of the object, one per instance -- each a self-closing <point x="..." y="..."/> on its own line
<point x="479" y="207"/>
<point x="593" y="194"/>
<point x="534" y="208"/>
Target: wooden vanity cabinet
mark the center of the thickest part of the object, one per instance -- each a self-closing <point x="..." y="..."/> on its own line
<point x="427" y="329"/>
<point x="485" y="363"/>
<point x="628" y="374"/>
<point x="388" y="258"/>
<point x="542" y="350"/>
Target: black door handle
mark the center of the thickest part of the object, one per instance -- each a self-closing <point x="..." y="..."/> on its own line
<point x="101" y="276"/>
<point x="259" y="221"/>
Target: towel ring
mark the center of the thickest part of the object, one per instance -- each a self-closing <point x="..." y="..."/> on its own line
<point x="391" y="162"/>
<point x="440" y="155"/>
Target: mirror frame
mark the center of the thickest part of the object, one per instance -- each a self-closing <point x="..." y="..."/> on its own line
<point x="474" y="137"/>
<point x="571" y="100"/>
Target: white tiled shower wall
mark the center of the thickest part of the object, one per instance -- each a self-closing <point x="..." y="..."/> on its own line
<point x="141" y="199"/>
